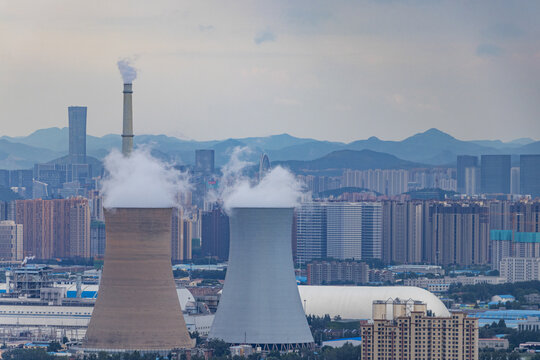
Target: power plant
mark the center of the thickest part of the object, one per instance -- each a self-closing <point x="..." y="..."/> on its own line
<point x="260" y="304"/>
<point x="137" y="308"/>
<point x="127" y="128"/>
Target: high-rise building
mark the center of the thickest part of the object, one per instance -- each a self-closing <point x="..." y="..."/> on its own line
<point x="4" y="178"/>
<point x="402" y="231"/>
<point x="77" y="134"/>
<point x="405" y="330"/>
<point x="215" y="234"/>
<point x="204" y="161"/>
<point x="344" y="230"/>
<point x="371" y="230"/>
<point x="181" y="235"/>
<point x="530" y="175"/>
<point x="97" y="238"/>
<point x="386" y="182"/>
<point x="310" y="232"/>
<point x="472" y="180"/>
<point x="48" y="229"/>
<point x="464" y="162"/>
<point x="459" y="234"/>
<point x="11" y="241"/>
<point x="495" y="174"/>
<point x="337" y="272"/>
<point x="79" y="230"/>
<point x="36" y="216"/>
<point x="515" y="186"/>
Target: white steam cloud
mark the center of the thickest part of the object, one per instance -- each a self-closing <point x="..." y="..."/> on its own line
<point x="141" y="180"/>
<point x="278" y="188"/>
<point x="127" y="70"/>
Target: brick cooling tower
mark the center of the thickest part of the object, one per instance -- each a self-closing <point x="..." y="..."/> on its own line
<point x="137" y="306"/>
<point x="260" y="304"/>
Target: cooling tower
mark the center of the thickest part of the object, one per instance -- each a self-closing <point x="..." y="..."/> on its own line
<point x="260" y="304"/>
<point x="127" y="124"/>
<point x="137" y="306"/>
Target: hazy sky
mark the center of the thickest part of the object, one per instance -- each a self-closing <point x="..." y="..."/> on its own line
<point x="336" y="70"/>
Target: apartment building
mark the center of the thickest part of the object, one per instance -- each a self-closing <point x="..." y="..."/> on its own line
<point x="405" y="330"/>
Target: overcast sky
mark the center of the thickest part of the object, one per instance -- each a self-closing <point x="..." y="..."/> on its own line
<point x="335" y="70"/>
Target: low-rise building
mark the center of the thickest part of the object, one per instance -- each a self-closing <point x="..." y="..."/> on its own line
<point x="405" y="330"/>
<point x="331" y="272"/>
<point x="493" y="343"/>
<point x="515" y="269"/>
<point x="532" y="323"/>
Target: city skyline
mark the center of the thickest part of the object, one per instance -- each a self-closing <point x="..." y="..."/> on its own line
<point x="321" y="71"/>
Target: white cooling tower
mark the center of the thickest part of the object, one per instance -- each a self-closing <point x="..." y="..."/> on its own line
<point x="260" y="304"/>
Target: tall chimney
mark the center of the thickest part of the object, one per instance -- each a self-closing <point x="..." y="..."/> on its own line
<point x="127" y="133"/>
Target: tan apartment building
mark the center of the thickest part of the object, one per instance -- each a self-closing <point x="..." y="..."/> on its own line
<point x="405" y="330"/>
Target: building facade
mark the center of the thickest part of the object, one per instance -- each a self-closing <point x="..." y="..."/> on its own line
<point x="11" y="241"/>
<point x="215" y="237"/>
<point x="515" y="269"/>
<point x="77" y="134"/>
<point x="404" y="330"/>
<point x="466" y="165"/>
<point x="529" y="176"/>
<point x="337" y="272"/>
<point x="310" y="232"/>
<point x="495" y="174"/>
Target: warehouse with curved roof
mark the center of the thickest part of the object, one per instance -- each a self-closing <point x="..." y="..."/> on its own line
<point x="355" y="302"/>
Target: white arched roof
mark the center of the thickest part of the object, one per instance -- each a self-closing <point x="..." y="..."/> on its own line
<point x="184" y="296"/>
<point x="355" y="302"/>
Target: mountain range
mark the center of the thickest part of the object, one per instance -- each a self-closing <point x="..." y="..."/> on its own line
<point x="432" y="147"/>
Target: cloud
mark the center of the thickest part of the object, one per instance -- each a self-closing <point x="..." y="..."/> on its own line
<point x="264" y="36"/>
<point x="486" y="49"/>
<point x="206" y="28"/>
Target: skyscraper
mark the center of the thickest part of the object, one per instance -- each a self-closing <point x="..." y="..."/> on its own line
<point x="204" y="161"/>
<point x="459" y="234"/>
<point x="310" y="232"/>
<point x="402" y="232"/>
<point x="215" y="234"/>
<point x="77" y="134"/>
<point x="344" y="230"/>
<point x="464" y="162"/>
<point x="530" y="175"/>
<point x="495" y="174"/>
<point x="371" y="230"/>
<point x="181" y="234"/>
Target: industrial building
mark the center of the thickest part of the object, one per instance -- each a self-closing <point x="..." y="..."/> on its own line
<point x="137" y="308"/>
<point x="260" y="304"/>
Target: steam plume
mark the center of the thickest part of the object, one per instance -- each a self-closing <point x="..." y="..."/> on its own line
<point x="278" y="188"/>
<point x="141" y="180"/>
<point x="127" y="70"/>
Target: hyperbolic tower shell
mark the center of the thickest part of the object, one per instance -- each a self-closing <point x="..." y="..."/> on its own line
<point x="137" y="306"/>
<point x="260" y="304"/>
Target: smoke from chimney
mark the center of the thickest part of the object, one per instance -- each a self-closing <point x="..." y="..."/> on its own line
<point x="278" y="188"/>
<point x="127" y="70"/>
<point x="140" y="180"/>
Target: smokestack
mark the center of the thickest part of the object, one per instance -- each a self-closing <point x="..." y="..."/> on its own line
<point x="137" y="308"/>
<point x="127" y="133"/>
<point x="260" y="304"/>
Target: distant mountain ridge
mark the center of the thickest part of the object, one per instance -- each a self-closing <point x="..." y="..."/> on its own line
<point x="432" y="147"/>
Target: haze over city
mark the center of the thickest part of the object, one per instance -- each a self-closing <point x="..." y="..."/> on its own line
<point x="333" y="71"/>
<point x="306" y="180"/>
